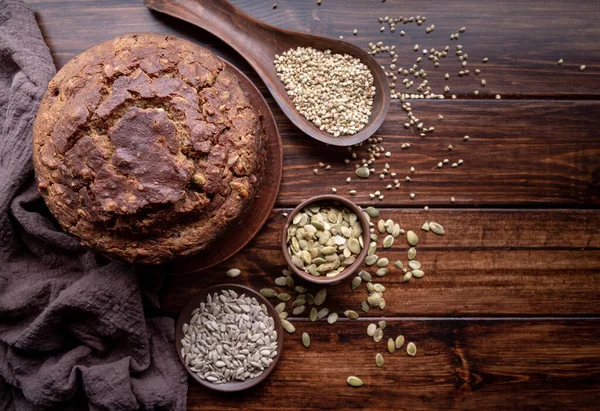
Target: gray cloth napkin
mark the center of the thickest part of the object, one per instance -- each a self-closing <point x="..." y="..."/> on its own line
<point x="75" y="331"/>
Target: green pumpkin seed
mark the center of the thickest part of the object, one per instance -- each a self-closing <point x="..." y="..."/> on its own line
<point x="280" y="307"/>
<point x="281" y="281"/>
<point x="399" y="341"/>
<point x="412" y="253"/>
<point x="296" y="218"/>
<point x="354" y="245"/>
<point x="411" y="349"/>
<point x="268" y="292"/>
<point x="305" y="340"/>
<point x="373" y="237"/>
<point x="381" y="226"/>
<point x="391" y="346"/>
<point x="378" y="335"/>
<point x="396" y="230"/>
<point x="370" y="287"/>
<point x="353" y="315"/>
<point x="382" y="262"/>
<point x="289" y="281"/>
<point x="284" y="297"/>
<point x="388" y="241"/>
<point x="321" y="296"/>
<point x="310" y="299"/>
<point x="328" y="250"/>
<point x="332" y="318"/>
<point x="373" y="300"/>
<point x="437" y="228"/>
<point x="372" y="212"/>
<point x="381" y="272"/>
<point x="414" y="264"/>
<point x="379" y="288"/>
<point x="371" y="259"/>
<point x="406" y="278"/>
<point x="362" y="172"/>
<point x="371" y="330"/>
<point x="398" y="264"/>
<point x="283" y="315"/>
<point x="412" y="238"/>
<point x="382" y="304"/>
<point x="313" y="314"/>
<point x="425" y="226"/>
<point x="356" y="282"/>
<point x="288" y="326"/>
<point x="382" y="324"/>
<point x="300" y="289"/>
<point x="364" y="306"/>
<point x="299" y="310"/>
<point x="389" y="226"/>
<point x="233" y="272"/>
<point x="365" y="275"/>
<point x="354" y="381"/>
<point x="322" y="313"/>
<point x="417" y="273"/>
<point x="379" y="360"/>
<point x="372" y="248"/>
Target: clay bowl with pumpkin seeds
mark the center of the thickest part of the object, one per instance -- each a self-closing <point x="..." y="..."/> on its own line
<point x="325" y="239"/>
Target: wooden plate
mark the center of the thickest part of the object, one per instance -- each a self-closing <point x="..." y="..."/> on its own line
<point x="186" y="315"/>
<point x="240" y="232"/>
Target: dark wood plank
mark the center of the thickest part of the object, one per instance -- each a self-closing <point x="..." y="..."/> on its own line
<point x="540" y="153"/>
<point x="494" y="262"/>
<point x="519" y="153"/>
<point x="461" y="365"/>
<point x="523" y="40"/>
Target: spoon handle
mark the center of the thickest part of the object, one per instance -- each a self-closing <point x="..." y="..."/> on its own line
<point x="238" y="29"/>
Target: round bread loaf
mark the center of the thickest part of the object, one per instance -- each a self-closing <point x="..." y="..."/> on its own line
<point x="146" y="147"/>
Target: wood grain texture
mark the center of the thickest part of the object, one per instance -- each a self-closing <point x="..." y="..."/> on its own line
<point x="489" y="263"/>
<point x="460" y="365"/>
<point x="523" y="40"/>
<point x="519" y="153"/>
<point x="537" y="153"/>
<point x="507" y="316"/>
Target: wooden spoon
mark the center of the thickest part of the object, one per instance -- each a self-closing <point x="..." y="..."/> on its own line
<point x="259" y="42"/>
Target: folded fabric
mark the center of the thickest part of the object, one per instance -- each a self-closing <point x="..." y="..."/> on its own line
<point x="75" y="328"/>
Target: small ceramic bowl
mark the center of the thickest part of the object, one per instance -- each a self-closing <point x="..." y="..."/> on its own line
<point x="186" y="316"/>
<point x="348" y="271"/>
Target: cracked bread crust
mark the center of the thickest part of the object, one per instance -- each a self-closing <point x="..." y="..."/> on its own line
<point x="146" y="147"/>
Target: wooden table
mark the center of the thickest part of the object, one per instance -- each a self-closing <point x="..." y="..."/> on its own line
<point x="508" y="314"/>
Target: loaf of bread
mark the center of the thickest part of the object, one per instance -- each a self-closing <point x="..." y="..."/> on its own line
<point x="146" y="147"/>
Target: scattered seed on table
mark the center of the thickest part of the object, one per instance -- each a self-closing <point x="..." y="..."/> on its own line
<point x="288" y="326"/>
<point x="391" y="345"/>
<point x="268" y="292"/>
<point x="379" y="360"/>
<point x="320" y="296"/>
<point x="371" y="329"/>
<point x="233" y="272"/>
<point x="332" y="318"/>
<point x="313" y="314"/>
<point x="351" y="314"/>
<point x="411" y="349"/>
<point x="582" y="67"/>
<point x="354" y="381"/>
<point x="399" y="341"/>
<point x="305" y="340"/>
